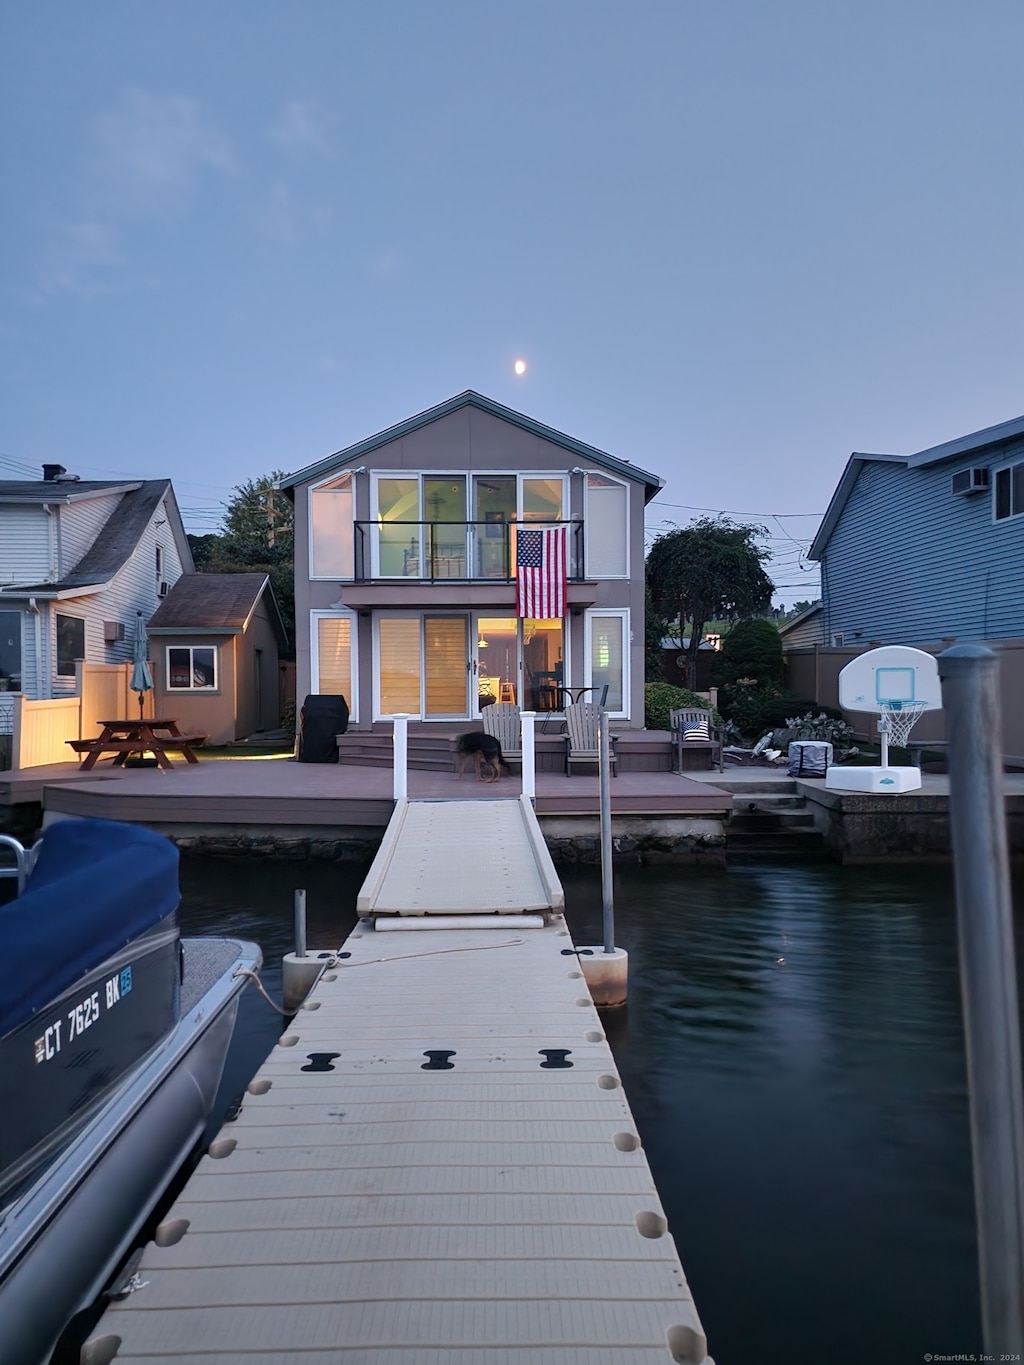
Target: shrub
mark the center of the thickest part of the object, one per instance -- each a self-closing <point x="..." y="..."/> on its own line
<point x="815" y="725"/>
<point x="661" y="698"/>
<point x="752" y="649"/>
<point x="753" y="709"/>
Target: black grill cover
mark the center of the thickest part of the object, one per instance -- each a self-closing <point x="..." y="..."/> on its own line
<point x="320" y="719"/>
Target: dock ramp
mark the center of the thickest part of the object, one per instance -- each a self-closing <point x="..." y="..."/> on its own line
<point x="462" y="858"/>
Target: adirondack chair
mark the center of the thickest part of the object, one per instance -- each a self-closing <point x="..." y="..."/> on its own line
<point x="581" y="736"/>
<point x="502" y="721"/>
<point x="693" y="728"/>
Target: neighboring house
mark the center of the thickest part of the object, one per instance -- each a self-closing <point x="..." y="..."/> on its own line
<point x="214" y="642"/>
<point x="806" y="628"/>
<point x="915" y="549"/>
<point x="405" y="568"/>
<point x="78" y="560"/>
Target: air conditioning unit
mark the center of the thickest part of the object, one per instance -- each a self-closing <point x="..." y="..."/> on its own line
<point x="970" y="481"/>
<point x="113" y="631"/>
<point x="163" y="590"/>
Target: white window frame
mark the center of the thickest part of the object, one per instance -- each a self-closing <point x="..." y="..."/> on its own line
<point x="334" y="614"/>
<point x="314" y="488"/>
<point x="603" y="474"/>
<point x="627" y="648"/>
<point x="205" y="691"/>
<point x="1006" y="467"/>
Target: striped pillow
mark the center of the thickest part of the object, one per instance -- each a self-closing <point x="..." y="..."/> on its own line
<point x="695" y="729"/>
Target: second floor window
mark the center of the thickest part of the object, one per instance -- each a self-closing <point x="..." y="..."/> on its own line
<point x="331" y="529"/>
<point x="1009" y="492"/>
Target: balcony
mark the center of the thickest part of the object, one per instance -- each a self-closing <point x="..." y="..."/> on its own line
<point x="450" y="551"/>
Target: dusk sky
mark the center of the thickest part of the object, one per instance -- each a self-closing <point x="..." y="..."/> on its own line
<point x="733" y="242"/>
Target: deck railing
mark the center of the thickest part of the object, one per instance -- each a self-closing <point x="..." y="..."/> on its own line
<point x="438" y="551"/>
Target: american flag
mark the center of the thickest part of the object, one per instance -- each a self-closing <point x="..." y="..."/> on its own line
<point x="540" y="574"/>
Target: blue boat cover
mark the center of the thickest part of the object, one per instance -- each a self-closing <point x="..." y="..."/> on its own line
<point x="96" y="885"/>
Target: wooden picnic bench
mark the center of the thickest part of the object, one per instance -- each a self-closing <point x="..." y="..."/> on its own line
<point x="124" y="737"/>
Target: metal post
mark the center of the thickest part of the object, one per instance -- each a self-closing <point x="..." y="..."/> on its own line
<point x="883" y="735"/>
<point x="401" y="757"/>
<point x="970" y="696"/>
<point x="300" y="924"/>
<point x="529" y="755"/>
<point x="607" y="893"/>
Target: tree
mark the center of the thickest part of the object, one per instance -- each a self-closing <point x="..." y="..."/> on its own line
<point x="708" y="570"/>
<point x="753" y="650"/>
<point x="654" y="633"/>
<point x="257" y="538"/>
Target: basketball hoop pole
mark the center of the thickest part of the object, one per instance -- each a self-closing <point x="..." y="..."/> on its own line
<point x="970" y="680"/>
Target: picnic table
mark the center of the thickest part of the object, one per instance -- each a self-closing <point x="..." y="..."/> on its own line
<point x="124" y="737"/>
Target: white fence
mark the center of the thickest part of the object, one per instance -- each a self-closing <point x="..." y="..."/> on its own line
<point x="36" y="732"/>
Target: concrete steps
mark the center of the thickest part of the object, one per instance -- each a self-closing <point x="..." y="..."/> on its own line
<point x="771" y="820"/>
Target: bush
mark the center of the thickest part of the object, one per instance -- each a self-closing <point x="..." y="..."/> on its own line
<point x="752" y="649"/>
<point x="753" y="709"/>
<point x="660" y="698"/>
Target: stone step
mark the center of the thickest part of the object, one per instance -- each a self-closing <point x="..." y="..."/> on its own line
<point x="780" y="844"/>
<point x="754" y="821"/>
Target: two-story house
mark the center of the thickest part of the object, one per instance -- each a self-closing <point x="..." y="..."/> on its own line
<point x="406" y="564"/>
<point x="919" y="548"/>
<point x="78" y="560"/>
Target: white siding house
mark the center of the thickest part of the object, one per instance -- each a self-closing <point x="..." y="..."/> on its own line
<point x="78" y="561"/>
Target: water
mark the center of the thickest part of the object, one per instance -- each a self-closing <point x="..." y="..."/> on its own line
<point x="793" y="1055"/>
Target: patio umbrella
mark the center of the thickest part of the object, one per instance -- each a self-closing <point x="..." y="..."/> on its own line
<point x="142" y="676"/>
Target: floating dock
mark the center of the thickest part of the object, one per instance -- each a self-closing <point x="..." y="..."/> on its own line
<point x="437" y="1163"/>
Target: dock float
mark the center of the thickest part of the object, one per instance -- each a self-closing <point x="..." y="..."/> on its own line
<point x="436" y="1164"/>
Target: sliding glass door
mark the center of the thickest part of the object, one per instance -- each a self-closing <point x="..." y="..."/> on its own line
<point x="423" y="666"/>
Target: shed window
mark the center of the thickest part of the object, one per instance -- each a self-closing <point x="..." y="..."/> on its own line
<point x="1009" y="492"/>
<point x="192" y="668"/>
<point x="70" y="644"/>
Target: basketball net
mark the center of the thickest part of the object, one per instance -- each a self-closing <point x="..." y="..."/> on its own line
<point x="895" y="724"/>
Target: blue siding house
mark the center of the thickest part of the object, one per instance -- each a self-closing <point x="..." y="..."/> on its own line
<point x="921" y="549"/>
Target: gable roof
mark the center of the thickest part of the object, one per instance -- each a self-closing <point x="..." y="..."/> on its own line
<point x="802" y="617"/>
<point x="844" y="488"/>
<point x="117" y="539"/>
<point x="977" y="440"/>
<point x="215" y="603"/>
<point x="578" y="449"/>
<point x="61" y="490"/>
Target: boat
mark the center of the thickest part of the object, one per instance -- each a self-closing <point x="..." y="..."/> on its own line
<point x="113" y="1036"/>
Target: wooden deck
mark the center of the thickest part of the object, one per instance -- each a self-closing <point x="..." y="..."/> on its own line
<point x="276" y="792"/>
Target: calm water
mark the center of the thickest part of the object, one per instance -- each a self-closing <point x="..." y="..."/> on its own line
<point x="793" y="1054"/>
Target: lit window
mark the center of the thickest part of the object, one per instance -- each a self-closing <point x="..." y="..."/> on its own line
<point x="192" y="669"/>
<point x="331" y="529"/>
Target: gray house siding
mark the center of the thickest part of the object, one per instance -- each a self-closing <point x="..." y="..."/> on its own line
<point x="28" y="544"/>
<point x="908" y="561"/>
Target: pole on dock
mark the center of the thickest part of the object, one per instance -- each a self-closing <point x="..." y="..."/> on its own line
<point x="970" y="698"/>
<point x="606" y="973"/>
<point x="401" y="757"/>
<point x="300" y="923"/>
<point x="607" y="881"/>
<point x="529" y="755"/>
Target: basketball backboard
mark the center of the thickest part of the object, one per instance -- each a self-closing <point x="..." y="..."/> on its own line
<point x="890" y="678"/>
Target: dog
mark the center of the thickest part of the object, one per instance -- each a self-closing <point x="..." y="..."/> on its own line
<point x="485" y="753"/>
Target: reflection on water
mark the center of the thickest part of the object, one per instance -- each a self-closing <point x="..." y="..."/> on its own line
<point x="793" y="1054"/>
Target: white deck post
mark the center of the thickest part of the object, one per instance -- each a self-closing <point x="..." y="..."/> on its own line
<point x="529" y="755"/>
<point x="401" y="756"/>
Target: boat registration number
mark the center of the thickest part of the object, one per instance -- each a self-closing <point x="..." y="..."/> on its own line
<point x="82" y="1016"/>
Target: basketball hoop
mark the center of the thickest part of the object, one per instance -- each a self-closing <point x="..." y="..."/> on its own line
<point x="899" y="718"/>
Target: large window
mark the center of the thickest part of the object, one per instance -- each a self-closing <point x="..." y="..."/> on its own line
<point x="1009" y="492"/>
<point x="334" y="653"/>
<point x="10" y="651"/>
<point x="192" y="668"/>
<point x="607" y="661"/>
<point x="606" y="538"/>
<point x="70" y="644"/>
<point x="331" y="530"/>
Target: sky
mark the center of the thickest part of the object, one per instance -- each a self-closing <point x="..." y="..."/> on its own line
<point x="733" y="241"/>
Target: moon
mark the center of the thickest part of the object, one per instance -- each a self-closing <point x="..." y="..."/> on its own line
<point x="520" y="367"/>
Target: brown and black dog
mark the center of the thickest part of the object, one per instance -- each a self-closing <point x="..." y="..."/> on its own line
<point x="485" y="752"/>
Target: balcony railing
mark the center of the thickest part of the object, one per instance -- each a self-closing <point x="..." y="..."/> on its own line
<point x="440" y="551"/>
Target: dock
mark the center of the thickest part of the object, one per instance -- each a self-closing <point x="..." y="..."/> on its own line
<point x="437" y="1163"/>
